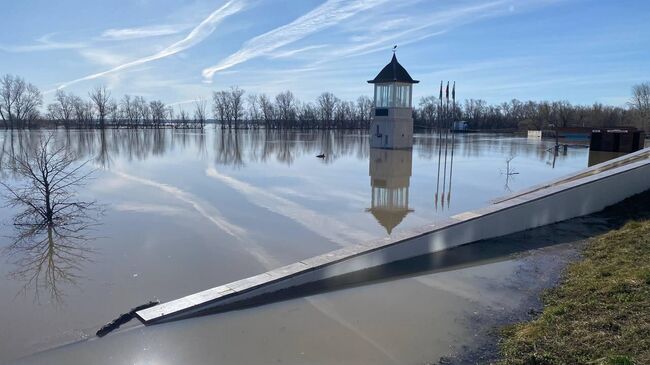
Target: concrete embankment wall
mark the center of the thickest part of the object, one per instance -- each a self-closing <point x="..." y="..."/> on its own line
<point x="583" y="193"/>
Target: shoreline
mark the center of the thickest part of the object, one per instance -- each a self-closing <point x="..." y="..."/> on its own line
<point x="494" y="332"/>
<point x="598" y="313"/>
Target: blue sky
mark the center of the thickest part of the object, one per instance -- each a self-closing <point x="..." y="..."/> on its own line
<point x="583" y="51"/>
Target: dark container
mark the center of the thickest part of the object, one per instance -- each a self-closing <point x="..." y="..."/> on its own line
<point x="616" y="139"/>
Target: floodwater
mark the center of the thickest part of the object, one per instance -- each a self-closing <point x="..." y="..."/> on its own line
<point x="184" y="211"/>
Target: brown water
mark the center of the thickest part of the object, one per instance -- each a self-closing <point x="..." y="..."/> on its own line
<point x="188" y="210"/>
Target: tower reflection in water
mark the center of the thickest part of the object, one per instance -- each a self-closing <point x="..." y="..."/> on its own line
<point x="390" y="175"/>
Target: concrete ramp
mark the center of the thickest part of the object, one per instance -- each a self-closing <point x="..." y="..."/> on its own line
<point x="582" y="193"/>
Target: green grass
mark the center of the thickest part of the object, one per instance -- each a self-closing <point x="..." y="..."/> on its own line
<point x="598" y="314"/>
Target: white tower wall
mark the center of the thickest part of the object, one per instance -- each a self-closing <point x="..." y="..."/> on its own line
<point x="394" y="131"/>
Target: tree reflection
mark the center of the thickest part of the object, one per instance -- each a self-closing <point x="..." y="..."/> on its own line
<point x="49" y="258"/>
<point x="51" y="224"/>
<point x="227" y="148"/>
<point x="239" y="148"/>
<point x="509" y="173"/>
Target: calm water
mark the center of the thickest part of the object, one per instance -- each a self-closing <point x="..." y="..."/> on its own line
<point x="187" y="210"/>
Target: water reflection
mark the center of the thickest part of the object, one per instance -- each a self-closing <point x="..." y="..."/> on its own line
<point x="214" y="206"/>
<point x="239" y="148"/>
<point x="49" y="259"/>
<point x="446" y="143"/>
<point x="228" y="148"/>
<point x="509" y="173"/>
<point x="390" y="175"/>
<point x="50" y="222"/>
<point x="596" y="157"/>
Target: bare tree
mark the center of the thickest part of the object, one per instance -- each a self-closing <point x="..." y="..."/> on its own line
<point x="254" y="112"/>
<point x="428" y="111"/>
<point x="307" y="115"/>
<point x="183" y="118"/>
<point x="220" y="108"/>
<point x="344" y="112"/>
<point x="158" y="112"/>
<point x="286" y="107"/>
<point x="101" y="98"/>
<point x="50" y="223"/>
<point x="83" y="111"/>
<point x="641" y="96"/>
<point x="640" y="104"/>
<point x="113" y="113"/>
<point x="54" y="113"/>
<point x="364" y="110"/>
<point x="51" y="174"/>
<point x="327" y="103"/>
<point x="141" y="110"/>
<point x="7" y="100"/>
<point x="509" y="172"/>
<point x="19" y="101"/>
<point x="62" y="110"/>
<point x="236" y="104"/>
<point x="127" y="110"/>
<point x="200" y="111"/>
<point x="268" y="111"/>
<point x="65" y="102"/>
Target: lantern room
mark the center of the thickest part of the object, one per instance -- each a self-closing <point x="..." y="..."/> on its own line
<point x="392" y="122"/>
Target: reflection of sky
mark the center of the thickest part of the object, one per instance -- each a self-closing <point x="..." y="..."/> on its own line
<point x="185" y="215"/>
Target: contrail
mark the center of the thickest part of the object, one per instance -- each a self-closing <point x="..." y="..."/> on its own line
<point x="198" y="34"/>
<point x="330" y="13"/>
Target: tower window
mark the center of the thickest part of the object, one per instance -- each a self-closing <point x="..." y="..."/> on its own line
<point x="383" y="95"/>
<point x="392" y="96"/>
<point x="403" y="96"/>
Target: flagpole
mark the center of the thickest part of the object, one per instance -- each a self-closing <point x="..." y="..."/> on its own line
<point x="453" y="137"/>
<point x="444" y="173"/>
<point x="439" y="127"/>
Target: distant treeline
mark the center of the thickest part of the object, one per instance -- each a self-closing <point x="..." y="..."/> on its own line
<point x="524" y="115"/>
<point x="21" y="106"/>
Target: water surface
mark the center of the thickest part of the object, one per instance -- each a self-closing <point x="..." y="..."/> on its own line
<point x="188" y="210"/>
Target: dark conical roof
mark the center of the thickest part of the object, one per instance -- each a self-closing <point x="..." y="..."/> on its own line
<point x="393" y="72"/>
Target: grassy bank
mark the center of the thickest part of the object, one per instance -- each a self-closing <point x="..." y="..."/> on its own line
<point x="599" y="313"/>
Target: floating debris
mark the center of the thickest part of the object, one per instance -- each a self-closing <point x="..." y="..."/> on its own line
<point x="122" y="319"/>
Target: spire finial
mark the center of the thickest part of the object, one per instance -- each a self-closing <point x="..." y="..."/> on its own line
<point x="394" y="48"/>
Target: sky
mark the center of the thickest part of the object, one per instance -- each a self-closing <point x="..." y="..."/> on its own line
<point x="583" y="51"/>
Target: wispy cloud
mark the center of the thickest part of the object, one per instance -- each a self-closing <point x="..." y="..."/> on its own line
<point x="293" y="52"/>
<point x="44" y="43"/>
<point x="198" y="34"/>
<point x="142" y="32"/>
<point x="103" y="57"/>
<point x="328" y="14"/>
<point x="373" y="35"/>
<point x="374" y="28"/>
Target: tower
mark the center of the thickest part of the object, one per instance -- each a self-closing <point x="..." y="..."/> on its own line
<point x="390" y="175"/>
<point x="392" y="121"/>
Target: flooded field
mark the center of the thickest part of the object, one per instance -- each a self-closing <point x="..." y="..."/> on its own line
<point x="183" y="211"/>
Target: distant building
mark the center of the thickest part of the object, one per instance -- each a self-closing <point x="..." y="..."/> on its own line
<point x="460" y="126"/>
<point x="574" y="133"/>
<point x="535" y="134"/>
<point x="392" y="122"/>
<point x="390" y="175"/>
